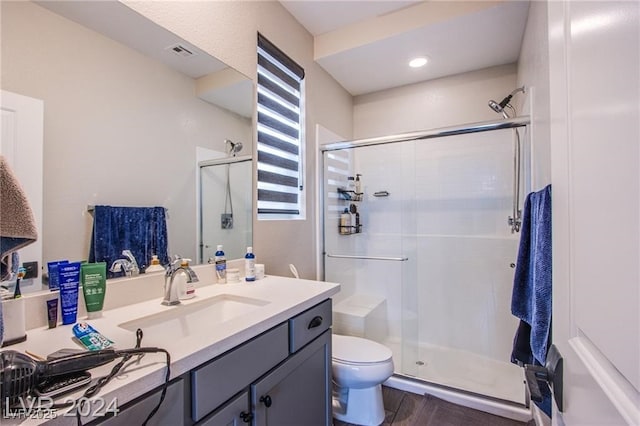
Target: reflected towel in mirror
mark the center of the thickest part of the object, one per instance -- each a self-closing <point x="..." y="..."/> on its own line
<point x="143" y="230"/>
<point x="17" y="223"/>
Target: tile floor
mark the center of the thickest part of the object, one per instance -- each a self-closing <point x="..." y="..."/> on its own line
<point x="409" y="409"/>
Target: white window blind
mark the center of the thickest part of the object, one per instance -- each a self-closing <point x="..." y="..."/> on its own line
<point x="279" y="133"/>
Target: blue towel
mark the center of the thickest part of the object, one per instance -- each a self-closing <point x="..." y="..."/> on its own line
<point x="531" y="298"/>
<point x="143" y="230"/>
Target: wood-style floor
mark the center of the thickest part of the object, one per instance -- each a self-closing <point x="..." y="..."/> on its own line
<point x="408" y="409"/>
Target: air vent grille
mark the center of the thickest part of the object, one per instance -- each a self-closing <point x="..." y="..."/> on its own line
<point x="181" y="50"/>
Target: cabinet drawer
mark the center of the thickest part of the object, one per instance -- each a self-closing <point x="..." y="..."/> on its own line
<point x="308" y="325"/>
<point x="215" y="382"/>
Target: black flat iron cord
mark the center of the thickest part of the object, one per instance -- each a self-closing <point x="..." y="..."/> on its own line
<point x="127" y="355"/>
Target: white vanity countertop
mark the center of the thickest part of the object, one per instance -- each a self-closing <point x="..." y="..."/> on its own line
<point x="286" y="297"/>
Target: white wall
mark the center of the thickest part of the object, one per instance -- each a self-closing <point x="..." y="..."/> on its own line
<point x="432" y="104"/>
<point x="227" y="30"/>
<point x="533" y="73"/>
<point x="119" y="128"/>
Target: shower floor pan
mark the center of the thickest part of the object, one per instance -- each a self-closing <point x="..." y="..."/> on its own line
<point x="465" y="371"/>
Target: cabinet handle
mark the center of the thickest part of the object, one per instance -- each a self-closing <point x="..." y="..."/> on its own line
<point x="315" y="322"/>
<point x="246" y="417"/>
<point x="266" y="400"/>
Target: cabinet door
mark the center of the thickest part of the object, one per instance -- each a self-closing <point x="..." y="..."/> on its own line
<point x="298" y="392"/>
<point x="234" y="413"/>
<point x="170" y="413"/>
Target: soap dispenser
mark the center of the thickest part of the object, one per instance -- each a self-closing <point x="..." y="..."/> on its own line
<point x="155" y="265"/>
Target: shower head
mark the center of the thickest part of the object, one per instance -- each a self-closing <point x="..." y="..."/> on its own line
<point x="234" y="147"/>
<point x="495" y="106"/>
<point x="499" y="107"/>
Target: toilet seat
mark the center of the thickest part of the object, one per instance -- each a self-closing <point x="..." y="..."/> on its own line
<point x="358" y="351"/>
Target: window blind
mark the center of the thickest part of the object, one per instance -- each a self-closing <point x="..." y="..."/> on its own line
<point x="279" y="147"/>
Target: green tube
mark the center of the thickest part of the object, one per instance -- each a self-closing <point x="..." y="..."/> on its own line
<point x="94" y="286"/>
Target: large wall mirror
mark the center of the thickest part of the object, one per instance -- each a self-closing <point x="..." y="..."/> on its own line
<point x="133" y="116"/>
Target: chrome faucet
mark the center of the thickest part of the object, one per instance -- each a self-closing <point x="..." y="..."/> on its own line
<point x="179" y="266"/>
<point x="128" y="265"/>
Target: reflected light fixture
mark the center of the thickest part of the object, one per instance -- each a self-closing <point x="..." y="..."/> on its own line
<point x="418" y="62"/>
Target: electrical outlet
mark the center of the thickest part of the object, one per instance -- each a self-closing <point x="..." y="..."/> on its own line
<point x="226" y="221"/>
<point x="31" y="270"/>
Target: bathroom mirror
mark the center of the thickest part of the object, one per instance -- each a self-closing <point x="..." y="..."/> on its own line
<point x="130" y="113"/>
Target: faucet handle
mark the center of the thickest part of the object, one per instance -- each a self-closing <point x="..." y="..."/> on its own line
<point x="131" y="257"/>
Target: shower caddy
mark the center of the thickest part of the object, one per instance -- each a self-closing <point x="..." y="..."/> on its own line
<point x="353" y="193"/>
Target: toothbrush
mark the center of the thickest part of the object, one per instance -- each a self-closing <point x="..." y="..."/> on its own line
<point x="21" y="272"/>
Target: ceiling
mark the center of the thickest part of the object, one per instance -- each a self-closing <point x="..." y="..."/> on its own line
<point x="366" y="45"/>
<point x="216" y="82"/>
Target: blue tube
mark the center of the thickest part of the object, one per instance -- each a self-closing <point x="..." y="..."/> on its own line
<point x="54" y="278"/>
<point x="69" y="274"/>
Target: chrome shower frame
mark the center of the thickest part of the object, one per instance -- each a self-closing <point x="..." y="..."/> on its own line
<point x="515" y="220"/>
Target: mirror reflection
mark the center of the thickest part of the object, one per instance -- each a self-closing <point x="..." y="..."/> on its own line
<point x="131" y="112"/>
<point x="225" y="197"/>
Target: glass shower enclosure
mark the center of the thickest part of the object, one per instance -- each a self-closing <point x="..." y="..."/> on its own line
<point x="225" y="207"/>
<point x="429" y="271"/>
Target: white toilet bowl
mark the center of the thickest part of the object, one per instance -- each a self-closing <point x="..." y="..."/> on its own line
<point x="359" y="367"/>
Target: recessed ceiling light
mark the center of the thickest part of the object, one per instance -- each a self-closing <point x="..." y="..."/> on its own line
<point x="418" y="62"/>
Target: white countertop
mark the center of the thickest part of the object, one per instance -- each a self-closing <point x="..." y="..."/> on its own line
<point x="286" y="296"/>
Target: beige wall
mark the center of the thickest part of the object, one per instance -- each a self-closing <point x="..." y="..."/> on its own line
<point x="119" y="128"/>
<point x="227" y="30"/>
<point x="436" y="103"/>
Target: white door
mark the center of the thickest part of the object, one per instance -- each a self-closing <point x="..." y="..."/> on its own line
<point x="21" y="145"/>
<point x="595" y="142"/>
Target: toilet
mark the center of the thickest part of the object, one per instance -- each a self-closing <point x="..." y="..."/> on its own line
<point x="359" y="367"/>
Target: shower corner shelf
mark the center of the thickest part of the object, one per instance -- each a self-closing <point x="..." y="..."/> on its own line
<point x="350" y="230"/>
<point x="348" y="195"/>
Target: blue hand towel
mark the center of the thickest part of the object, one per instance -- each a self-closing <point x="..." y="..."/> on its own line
<point x="143" y="230"/>
<point x="531" y="297"/>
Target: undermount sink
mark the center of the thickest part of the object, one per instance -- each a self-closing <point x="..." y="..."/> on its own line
<point x="188" y="319"/>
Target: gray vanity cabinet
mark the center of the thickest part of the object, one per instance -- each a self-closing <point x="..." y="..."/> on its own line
<point x="171" y="411"/>
<point x="220" y="379"/>
<point x="298" y="391"/>
<point x="280" y="378"/>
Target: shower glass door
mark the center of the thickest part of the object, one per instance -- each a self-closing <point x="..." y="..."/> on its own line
<point x="225" y="203"/>
<point x="436" y="211"/>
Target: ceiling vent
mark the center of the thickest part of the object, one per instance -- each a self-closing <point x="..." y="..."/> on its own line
<point x="181" y="50"/>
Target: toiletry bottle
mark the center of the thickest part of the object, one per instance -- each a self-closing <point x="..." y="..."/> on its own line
<point x="358" y="189"/>
<point x="250" y="265"/>
<point x="351" y="187"/>
<point x="345" y="222"/>
<point x="186" y="290"/>
<point x="221" y="266"/>
<point x="354" y="211"/>
<point x="155" y="265"/>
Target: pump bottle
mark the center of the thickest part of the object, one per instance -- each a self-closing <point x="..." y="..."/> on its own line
<point x="221" y="265"/>
<point x="250" y="265"/>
